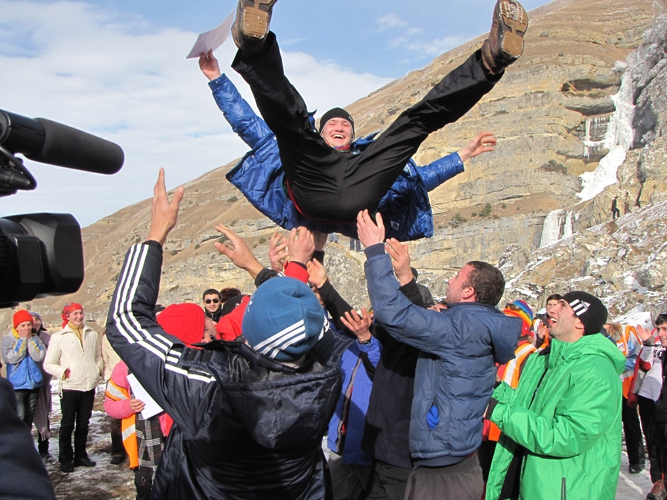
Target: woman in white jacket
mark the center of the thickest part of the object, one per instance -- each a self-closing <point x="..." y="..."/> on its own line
<point x="75" y="358"/>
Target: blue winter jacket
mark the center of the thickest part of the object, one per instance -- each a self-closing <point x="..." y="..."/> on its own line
<point x="405" y="209"/>
<point x="456" y="369"/>
<point x="353" y="402"/>
<point x="25" y="373"/>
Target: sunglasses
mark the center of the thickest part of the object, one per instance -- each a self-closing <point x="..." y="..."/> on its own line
<point x="215" y="301"/>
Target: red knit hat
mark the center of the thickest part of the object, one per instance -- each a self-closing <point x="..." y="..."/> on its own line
<point x="21" y="316"/>
<point x="183" y="321"/>
<point x="70" y="308"/>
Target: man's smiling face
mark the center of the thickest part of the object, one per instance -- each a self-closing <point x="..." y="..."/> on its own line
<point x="337" y="132"/>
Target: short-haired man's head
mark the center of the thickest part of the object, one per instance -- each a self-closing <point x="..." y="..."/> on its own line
<point x="228" y="293"/>
<point x="488" y="282"/>
<point x="210" y="291"/>
<point x="337" y="128"/>
<point x="661" y="319"/>
<point x="554" y="296"/>
<point x="212" y="301"/>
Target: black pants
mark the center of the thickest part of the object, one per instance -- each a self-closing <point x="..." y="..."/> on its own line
<point x="117" y="448"/>
<point x="646" y="406"/>
<point x="633" y="434"/>
<point x="387" y="482"/>
<point x="332" y="186"/>
<point x="27" y="402"/>
<point x="143" y="482"/>
<point x="76" y="407"/>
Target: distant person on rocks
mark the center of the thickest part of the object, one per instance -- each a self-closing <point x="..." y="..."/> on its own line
<point x="249" y="415"/>
<point x="74" y="357"/>
<point x="355" y="245"/>
<point x="212" y="304"/>
<point x="561" y="427"/>
<point x="626" y="203"/>
<point x="324" y="182"/>
<point x="615" y="212"/>
<point x="44" y="400"/>
<point x="456" y="371"/>
<point x="23" y="352"/>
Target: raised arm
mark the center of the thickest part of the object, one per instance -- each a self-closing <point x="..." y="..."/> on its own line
<point x="238" y="113"/>
<point x="448" y="166"/>
<point x="150" y="353"/>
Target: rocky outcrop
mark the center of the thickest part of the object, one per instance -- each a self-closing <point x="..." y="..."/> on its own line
<point x="552" y="113"/>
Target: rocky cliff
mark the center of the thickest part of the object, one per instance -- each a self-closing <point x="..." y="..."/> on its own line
<point x="580" y="119"/>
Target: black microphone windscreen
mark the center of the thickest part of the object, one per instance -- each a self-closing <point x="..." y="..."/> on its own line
<point x="68" y="147"/>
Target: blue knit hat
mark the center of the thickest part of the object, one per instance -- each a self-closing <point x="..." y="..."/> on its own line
<point x="283" y="320"/>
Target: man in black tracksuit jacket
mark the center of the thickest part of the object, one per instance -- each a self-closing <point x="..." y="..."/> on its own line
<point x="246" y="426"/>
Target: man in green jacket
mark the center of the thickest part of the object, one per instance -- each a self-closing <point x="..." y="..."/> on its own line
<point x="562" y="425"/>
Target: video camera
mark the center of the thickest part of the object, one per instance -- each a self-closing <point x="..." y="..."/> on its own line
<point x="42" y="254"/>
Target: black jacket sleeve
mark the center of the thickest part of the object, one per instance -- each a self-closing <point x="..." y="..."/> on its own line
<point x="334" y="304"/>
<point x="151" y="354"/>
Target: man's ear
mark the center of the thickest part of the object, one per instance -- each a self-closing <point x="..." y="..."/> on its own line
<point x="578" y="325"/>
<point x="468" y="293"/>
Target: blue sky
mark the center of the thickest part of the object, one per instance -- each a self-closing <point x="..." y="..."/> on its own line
<point x="117" y="68"/>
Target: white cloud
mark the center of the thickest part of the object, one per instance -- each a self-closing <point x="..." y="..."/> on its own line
<point x="391" y="20"/>
<point x="128" y="82"/>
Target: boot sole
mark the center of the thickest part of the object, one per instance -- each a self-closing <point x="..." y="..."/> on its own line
<point x="515" y="20"/>
<point x="255" y="22"/>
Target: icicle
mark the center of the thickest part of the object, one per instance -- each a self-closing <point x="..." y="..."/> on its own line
<point x="551" y="228"/>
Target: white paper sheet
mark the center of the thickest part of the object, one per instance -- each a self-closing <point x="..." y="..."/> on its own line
<point x="152" y="408"/>
<point x="211" y="40"/>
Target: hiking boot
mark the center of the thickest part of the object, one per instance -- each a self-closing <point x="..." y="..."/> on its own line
<point x="657" y="492"/>
<point x="67" y="467"/>
<point x="505" y="42"/>
<point x="252" y="24"/>
<point x="117" y="460"/>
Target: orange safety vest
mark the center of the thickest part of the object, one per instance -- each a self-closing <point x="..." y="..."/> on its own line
<point x="623" y="345"/>
<point x="510" y="375"/>
<point x="128" y="425"/>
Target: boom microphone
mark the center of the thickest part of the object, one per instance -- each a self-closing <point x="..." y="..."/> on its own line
<point x="50" y="142"/>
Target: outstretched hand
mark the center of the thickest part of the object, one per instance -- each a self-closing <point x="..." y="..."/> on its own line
<point x="317" y="274"/>
<point x="238" y="252"/>
<point x="209" y="65"/>
<point x="369" y="233"/>
<point x="400" y="260"/>
<point x="481" y="143"/>
<point x="301" y="245"/>
<point x="164" y="212"/>
<point x="278" y="251"/>
<point x="358" y="325"/>
<point x="643" y="333"/>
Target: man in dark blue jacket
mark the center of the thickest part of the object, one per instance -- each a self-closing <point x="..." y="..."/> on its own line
<point x="248" y="417"/>
<point x="325" y="184"/>
<point x="261" y="178"/>
<point x="456" y="368"/>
